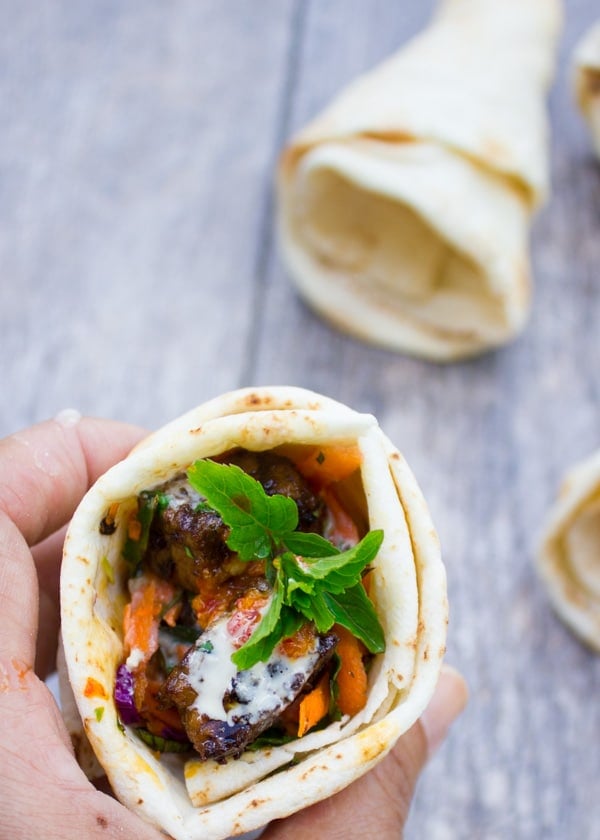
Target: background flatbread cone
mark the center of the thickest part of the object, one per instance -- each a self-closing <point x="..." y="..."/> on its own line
<point x="587" y="80"/>
<point x="404" y="208"/>
<point x="189" y="799"/>
<point x="569" y="557"/>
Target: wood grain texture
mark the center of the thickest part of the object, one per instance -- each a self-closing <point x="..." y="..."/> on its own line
<point x="139" y="276"/>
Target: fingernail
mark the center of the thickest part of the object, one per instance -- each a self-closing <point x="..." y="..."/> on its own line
<point x="68" y="417"/>
<point x="448" y="701"/>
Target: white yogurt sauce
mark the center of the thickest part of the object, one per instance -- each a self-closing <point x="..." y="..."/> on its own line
<point x="264" y="688"/>
<point x="180" y="492"/>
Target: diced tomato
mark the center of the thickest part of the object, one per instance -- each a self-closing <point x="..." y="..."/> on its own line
<point x="209" y="607"/>
<point x="314" y="706"/>
<point x="241" y="625"/>
<point x="300" y="643"/>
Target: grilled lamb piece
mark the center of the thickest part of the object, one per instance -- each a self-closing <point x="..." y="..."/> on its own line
<point x="222" y="709"/>
<point x="187" y="543"/>
<point x="278" y="474"/>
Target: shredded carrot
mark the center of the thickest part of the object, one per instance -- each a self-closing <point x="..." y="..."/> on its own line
<point x="140" y="684"/>
<point x="342" y="529"/>
<point x="352" y="676"/>
<point x="139" y="621"/>
<point x="172" y="614"/>
<point x="367" y="582"/>
<point x="314" y="706"/>
<point x="142" y="615"/>
<point x="326" y="464"/>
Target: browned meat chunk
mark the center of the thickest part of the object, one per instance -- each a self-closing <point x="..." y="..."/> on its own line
<point x="278" y="474"/>
<point x="224" y="710"/>
<point x="187" y="542"/>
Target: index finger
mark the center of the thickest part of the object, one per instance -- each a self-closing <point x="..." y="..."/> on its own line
<point x="45" y="470"/>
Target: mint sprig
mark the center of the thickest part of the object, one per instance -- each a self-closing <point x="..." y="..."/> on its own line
<point x="312" y="580"/>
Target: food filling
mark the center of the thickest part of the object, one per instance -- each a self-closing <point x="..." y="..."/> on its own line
<point x="249" y="621"/>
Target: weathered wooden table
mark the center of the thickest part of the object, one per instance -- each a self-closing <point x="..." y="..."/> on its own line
<point x="139" y="276"/>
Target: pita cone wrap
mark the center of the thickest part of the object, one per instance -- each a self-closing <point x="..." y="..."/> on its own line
<point x="184" y="796"/>
<point x="587" y="80"/>
<point x="405" y="207"/>
<point x="569" y="556"/>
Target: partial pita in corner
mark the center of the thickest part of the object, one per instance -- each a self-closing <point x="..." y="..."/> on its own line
<point x="404" y="208"/>
<point x="569" y="556"/>
<point x="587" y="80"/>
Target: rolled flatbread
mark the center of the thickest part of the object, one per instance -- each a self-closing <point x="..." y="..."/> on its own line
<point x="587" y="80"/>
<point x="404" y="208"/>
<point x="569" y="556"/>
<point x="190" y="798"/>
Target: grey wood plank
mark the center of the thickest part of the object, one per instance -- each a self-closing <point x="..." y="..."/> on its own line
<point x="488" y="440"/>
<point x="135" y="154"/>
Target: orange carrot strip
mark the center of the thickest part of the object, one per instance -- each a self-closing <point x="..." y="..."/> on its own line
<point x="352" y="676"/>
<point x="172" y="614"/>
<point x="367" y="582"/>
<point x="324" y="465"/>
<point x="314" y="706"/>
<point x="142" y="615"/>
<point x="140" y="622"/>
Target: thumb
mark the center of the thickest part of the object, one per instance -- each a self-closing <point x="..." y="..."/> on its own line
<point x="377" y="805"/>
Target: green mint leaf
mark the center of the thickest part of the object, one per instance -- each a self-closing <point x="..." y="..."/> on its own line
<point x="256" y="519"/>
<point x="265" y="636"/>
<point x="294" y="576"/>
<point x="335" y="573"/>
<point x="309" y="545"/>
<point x="339" y="571"/>
<point x="318" y="610"/>
<point x="354" y="611"/>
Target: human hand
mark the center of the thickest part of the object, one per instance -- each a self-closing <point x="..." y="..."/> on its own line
<point x="44" y="472"/>
<point x="377" y="804"/>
